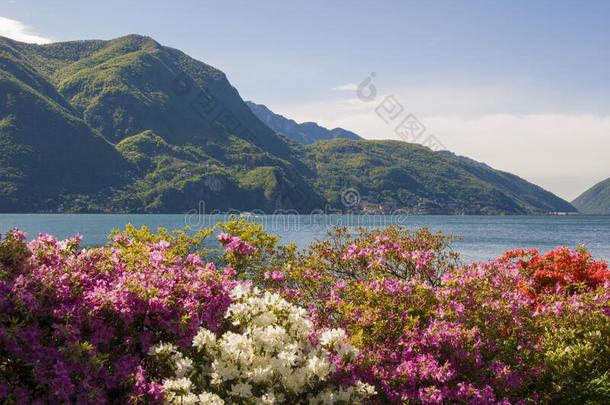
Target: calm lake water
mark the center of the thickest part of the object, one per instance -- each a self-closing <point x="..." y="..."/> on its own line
<point x="484" y="237"/>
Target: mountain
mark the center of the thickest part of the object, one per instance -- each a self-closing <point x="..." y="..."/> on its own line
<point x="48" y="155"/>
<point x="394" y="175"/>
<point x="304" y="133"/>
<point x="596" y="200"/>
<point x="129" y="125"/>
<point x="133" y="94"/>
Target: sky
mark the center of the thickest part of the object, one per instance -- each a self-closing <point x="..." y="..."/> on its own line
<point x="520" y="85"/>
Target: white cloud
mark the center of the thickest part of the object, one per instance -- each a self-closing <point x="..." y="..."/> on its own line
<point x="563" y="152"/>
<point x="346" y="87"/>
<point x="20" y="32"/>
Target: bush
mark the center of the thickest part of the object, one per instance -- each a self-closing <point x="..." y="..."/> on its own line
<point x="13" y="253"/>
<point x="576" y="347"/>
<point x="400" y="297"/>
<point x="571" y="271"/>
<point x="342" y="257"/>
<point x="473" y="339"/>
<point x="386" y="307"/>
<point x="268" y="352"/>
<point x="392" y="252"/>
<point x="267" y="254"/>
<point x="75" y="324"/>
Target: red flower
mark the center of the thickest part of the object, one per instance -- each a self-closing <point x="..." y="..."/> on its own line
<point x="560" y="269"/>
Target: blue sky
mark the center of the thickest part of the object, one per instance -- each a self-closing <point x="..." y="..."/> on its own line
<point x="522" y="86"/>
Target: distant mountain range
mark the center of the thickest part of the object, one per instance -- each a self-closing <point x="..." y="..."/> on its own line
<point x="304" y="133"/>
<point x="129" y="125"/>
<point x="596" y="200"/>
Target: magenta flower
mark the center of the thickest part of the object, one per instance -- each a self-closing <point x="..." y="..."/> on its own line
<point x="274" y="275"/>
<point x="236" y="245"/>
<point x="86" y="318"/>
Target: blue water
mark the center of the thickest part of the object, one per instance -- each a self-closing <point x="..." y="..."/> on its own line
<point x="483" y="237"/>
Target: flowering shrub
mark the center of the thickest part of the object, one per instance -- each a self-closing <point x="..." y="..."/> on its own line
<point x="571" y="294"/>
<point x="266" y="255"/>
<point x="269" y="353"/>
<point x="576" y="347"/>
<point x="234" y="245"/>
<point x="570" y="270"/>
<point x="392" y="252"/>
<point x="486" y="298"/>
<point x="473" y="339"/>
<point x="385" y="307"/>
<point x="75" y="324"/>
<point x="343" y="258"/>
<point x="460" y="334"/>
<point x="13" y="252"/>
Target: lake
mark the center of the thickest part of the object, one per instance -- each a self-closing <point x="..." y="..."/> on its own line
<point x="483" y="237"/>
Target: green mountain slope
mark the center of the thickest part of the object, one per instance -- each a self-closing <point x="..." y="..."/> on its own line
<point x="48" y="156"/>
<point x="129" y="125"/>
<point x="596" y="200"/>
<point x="304" y="133"/>
<point x="132" y="86"/>
<point x="394" y="175"/>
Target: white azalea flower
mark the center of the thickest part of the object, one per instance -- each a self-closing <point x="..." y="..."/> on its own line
<point x="204" y="339"/>
<point x="332" y="338"/>
<point x="162" y="348"/>
<point x="318" y="366"/>
<point x="182" y="366"/>
<point x="267" y="347"/>
<point x="180" y="385"/>
<point x="240" y="290"/>
<point x="243" y="390"/>
<point x="210" y="399"/>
